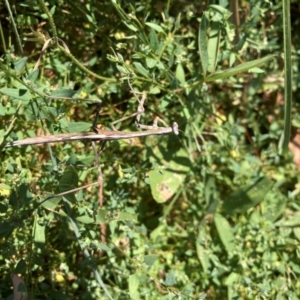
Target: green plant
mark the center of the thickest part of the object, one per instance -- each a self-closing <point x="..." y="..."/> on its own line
<point x="210" y="214"/>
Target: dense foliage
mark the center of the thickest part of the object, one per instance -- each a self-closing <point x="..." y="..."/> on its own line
<point x="211" y="213"/>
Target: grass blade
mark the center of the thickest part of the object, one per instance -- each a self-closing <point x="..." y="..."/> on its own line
<point x="287" y="75"/>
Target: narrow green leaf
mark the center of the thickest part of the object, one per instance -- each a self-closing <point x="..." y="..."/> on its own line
<point x="210" y="189"/>
<point x="52" y="203"/>
<point x="39" y="232"/>
<point x="202" y="44"/>
<point x="203" y="256"/>
<point x="121" y="69"/>
<point x="130" y="26"/>
<point x="154" y="42"/>
<point x="177" y="22"/>
<point x="180" y="73"/>
<point x="213" y="46"/>
<point x="141" y="69"/>
<point x="21" y="94"/>
<point x="202" y="252"/>
<point x="68" y="93"/>
<point x="69" y="181"/>
<point x="79" y="126"/>
<point x="85" y="219"/>
<point x="225" y="232"/>
<point x="288" y="75"/>
<point x="154" y="26"/>
<point x="247" y="197"/>
<point x="240" y="68"/>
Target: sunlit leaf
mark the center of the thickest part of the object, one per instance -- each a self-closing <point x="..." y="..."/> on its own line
<point x="79" y="126"/>
<point x="21" y="94"/>
<point x="68" y="93"/>
<point x="154" y="26"/>
<point x="225" y="232"/>
<point x="202" y="44"/>
<point x="247" y="197"/>
<point x="20" y="64"/>
<point x="244" y="67"/>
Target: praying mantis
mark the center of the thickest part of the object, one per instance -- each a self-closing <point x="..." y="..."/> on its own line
<point x="104" y="135"/>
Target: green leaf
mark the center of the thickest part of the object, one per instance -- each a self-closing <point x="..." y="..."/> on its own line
<point x="154" y="42"/>
<point x="21" y="94"/>
<point x="121" y="69"/>
<point x="86" y="219"/>
<point x="20" y="64"/>
<point x="296" y="232"/>
<point x="130" y="26"/>
<point x="7" y="228"/>
<point x="213" y="46"/>
<point x="247" y="197"/>
<point x="151" y="63"/>
<point x="32" y="77"/>
<point x="232" y="279"/>
<point x="170" y="279"/>
<point x="202" y="252"/>
<point x="79" y="126"/>
<point x="288" y="76"/>
<point x="39" y="232"/>
<point x="150" y="259"/>
<point x="49" y="113"/>
<point x="292" y="220"/>
<point x="141" y="69"/>
<point x="240" y="68"/>
<point x="21" y="267"/>
<point x="133" y="285"/>
<point x="154" y="91"/>
<point x="202" y="44"/>
<point x="221" y="10"/>
<point x="52" y="203"/>
<point x="106" y="216"/>
<point x="225" y="232"/>
<point x="68" y="182"/>
<point x="203" y="256"/>
<point x="166" y="179"/>
<point x="4" y="186"/>
<point x="154" y="26"/>
<point x="180" y="73"/>
<point x="63" y="93"/>
<point x="274" y="205"/>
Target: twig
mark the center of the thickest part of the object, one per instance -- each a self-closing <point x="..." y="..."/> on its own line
<point x="102" y="135"/>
